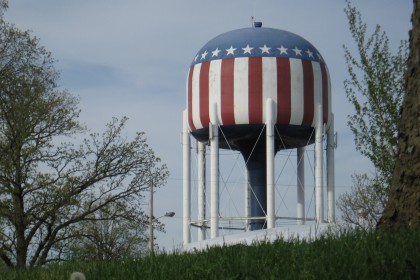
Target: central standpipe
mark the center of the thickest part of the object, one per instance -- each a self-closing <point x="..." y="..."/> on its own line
<point x="255" y="158"/>
<point x="259" y="160"/>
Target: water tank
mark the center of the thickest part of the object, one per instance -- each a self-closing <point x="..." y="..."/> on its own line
<point x="239" y="70"/>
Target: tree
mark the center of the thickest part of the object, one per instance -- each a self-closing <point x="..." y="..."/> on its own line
<point x="403" y="207"/>
<point x="49" y="186"/>
<point x="363" y="206"/>
<point x="105" y="239"/>
<point x="376" y="90"/>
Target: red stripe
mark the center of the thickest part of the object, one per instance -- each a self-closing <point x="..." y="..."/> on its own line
<point x="324" y="93"/>
<point x="227" y="97"/>
<point x="255" y="90"/>
<point x="190" y="119"/>
<point x="308" y="93"/>
<point x="204" y="94"/>
<point x="284" y="99"/>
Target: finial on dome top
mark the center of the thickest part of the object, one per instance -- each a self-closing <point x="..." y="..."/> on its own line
<point x="256" y="24"/>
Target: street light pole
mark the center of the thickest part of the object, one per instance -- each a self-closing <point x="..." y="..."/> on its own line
<point x="152" y="220"/>
<point x="151" y="237"/>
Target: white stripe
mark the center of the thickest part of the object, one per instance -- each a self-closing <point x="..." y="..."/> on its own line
<point x="316" y="68"/>
<point x="187" y="101"/>
<point x="329" y="96"/>
<point x="215" y="86"/>
<point x="296" y="86"/>
<point x="240" y="91"/>
<point x="269" y="84"/>
<point x="196" y="97"/>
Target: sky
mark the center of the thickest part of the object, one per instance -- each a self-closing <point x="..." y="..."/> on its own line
<point x="131" y="58"/>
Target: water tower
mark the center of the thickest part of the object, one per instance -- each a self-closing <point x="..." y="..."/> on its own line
<point x="257" y="90"/>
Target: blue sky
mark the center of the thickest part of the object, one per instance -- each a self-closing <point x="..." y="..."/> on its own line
<point x="130" y="58"/>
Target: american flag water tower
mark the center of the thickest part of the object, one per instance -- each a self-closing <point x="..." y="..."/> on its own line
<point x="257" y="90"/>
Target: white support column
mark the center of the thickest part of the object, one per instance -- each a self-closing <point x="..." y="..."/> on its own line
<point x="271" y="211"/>
<point x="301" y="185"/>
<point x="214" y="171"/>
<point x="247" y="201"/>
<point x="186" y="177"/>
<point x="201" y="193"/>
<point x="319" y="202"/>
<point x="331" y="171"/>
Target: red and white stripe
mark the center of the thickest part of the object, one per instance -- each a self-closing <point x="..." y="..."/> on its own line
<point x="240" y="87"/>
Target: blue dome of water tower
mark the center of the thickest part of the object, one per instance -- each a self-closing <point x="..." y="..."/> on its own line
<point x="257" y="42"/>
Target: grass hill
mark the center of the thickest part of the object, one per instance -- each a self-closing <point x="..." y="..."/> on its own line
<point x="350" y="255"/>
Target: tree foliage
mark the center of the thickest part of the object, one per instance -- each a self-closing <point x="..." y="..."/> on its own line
<point x="376" y="89"/>
<point x="109" y="238"/>
<point x="363" y="206"/>
<point x="50" y="187"/>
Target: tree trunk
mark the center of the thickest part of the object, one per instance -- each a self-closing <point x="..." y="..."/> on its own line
<point x="21" y="244"/>
<point x="403" y="208"/>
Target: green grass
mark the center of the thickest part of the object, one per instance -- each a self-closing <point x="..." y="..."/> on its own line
<point x="352" y="255"/>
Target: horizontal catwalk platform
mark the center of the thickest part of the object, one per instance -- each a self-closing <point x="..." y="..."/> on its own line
<point x="308" y="232"/>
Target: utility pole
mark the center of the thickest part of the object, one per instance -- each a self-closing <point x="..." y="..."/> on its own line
<point x="153" y="219"/>
<point x="151" y="237"/>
